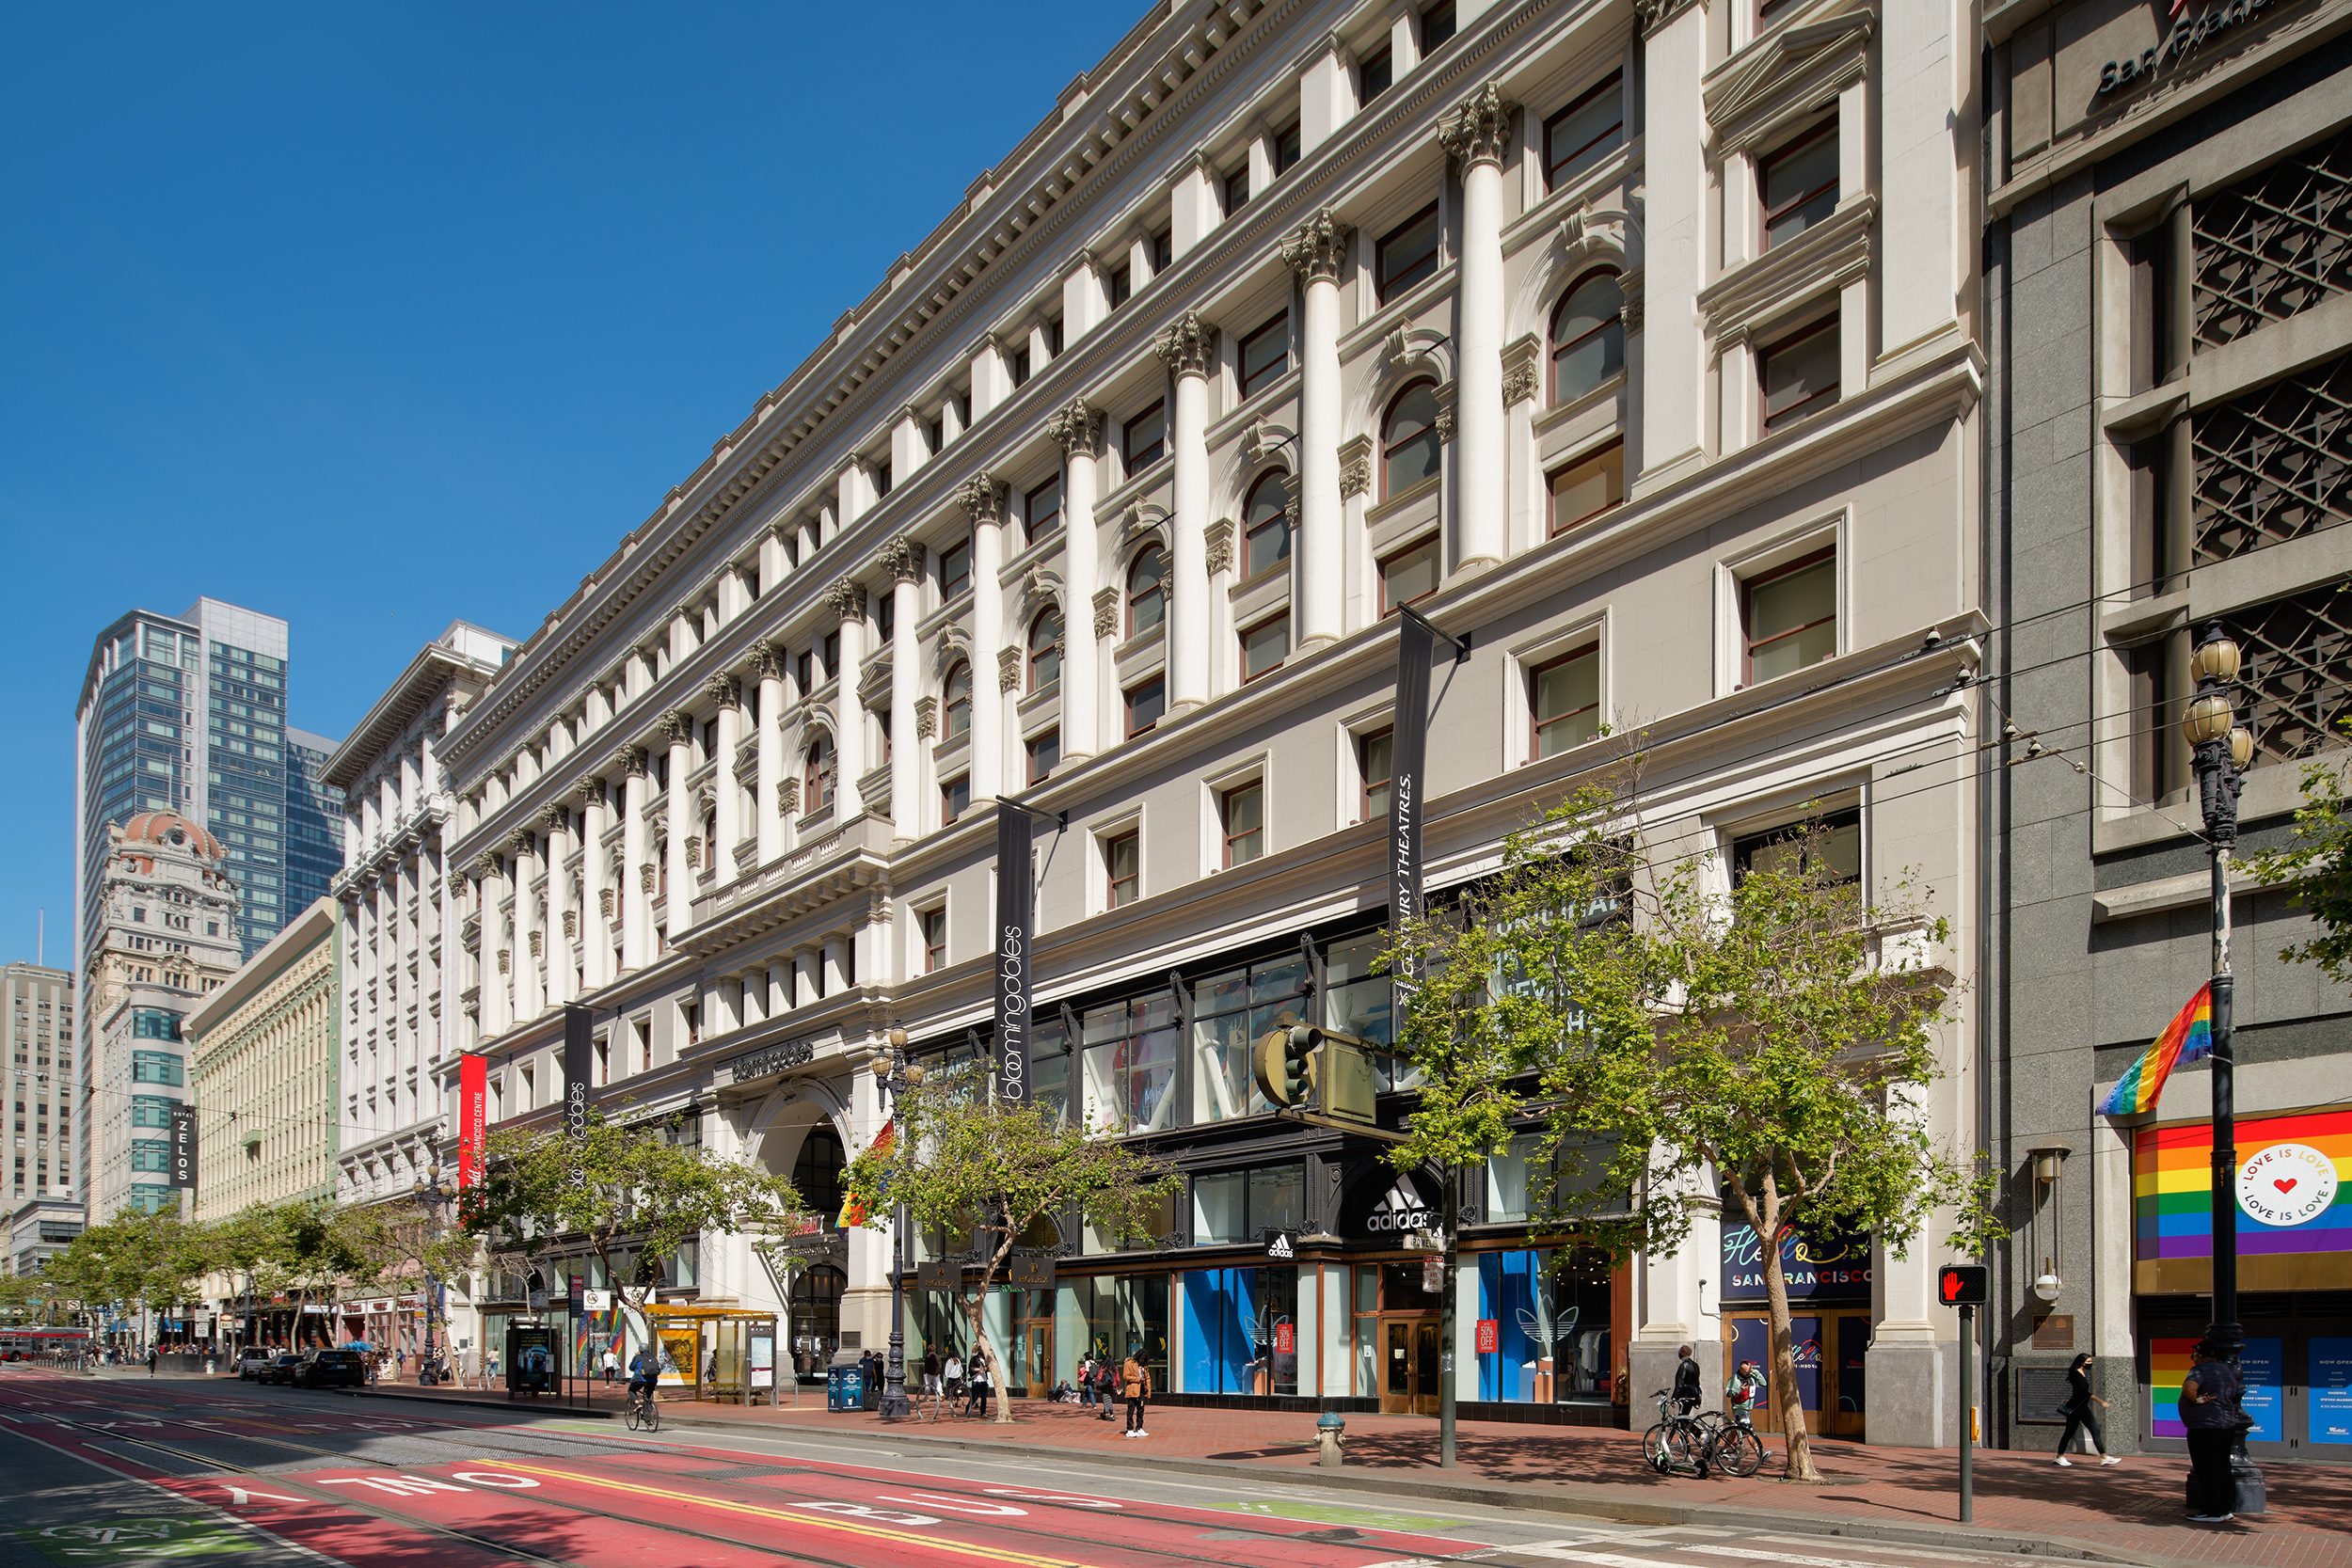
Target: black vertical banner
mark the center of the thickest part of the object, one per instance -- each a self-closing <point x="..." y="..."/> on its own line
<point x="1014" y="897"/>
<point x="1409" y="750"/>
<point x="184" y="1147"/>
<point x="580" y="1049"/>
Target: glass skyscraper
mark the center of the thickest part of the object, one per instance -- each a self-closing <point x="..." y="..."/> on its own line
<point x="187" y="713"/>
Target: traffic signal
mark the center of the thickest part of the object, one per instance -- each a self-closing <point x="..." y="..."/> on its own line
<point x="1964" y="1284"/>
<point x="1286" y="1062"/>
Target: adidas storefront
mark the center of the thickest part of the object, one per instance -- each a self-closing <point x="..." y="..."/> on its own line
<point x="1291" y="1269"/>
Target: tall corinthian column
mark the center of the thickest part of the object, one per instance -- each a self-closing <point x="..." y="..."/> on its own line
<point x="1188" y="348"/>
<point x="847" y="598"/>
<point x="729" y="796"/>
<point x="636" y="891"/>
<point x="902" y="568"/>
<point x="983" y="500"/>
<point x="768" y="662"/>
<point x="677" y="726"/>
<point x="1079" y="429"/>
<point x="491" y="986"/>
<point x="596" y="895"/>
<point x="529" y="941"/>
<point x="557" y="820"/>
<point x="1476" y="134"/>
<point x="1316" y="253"/>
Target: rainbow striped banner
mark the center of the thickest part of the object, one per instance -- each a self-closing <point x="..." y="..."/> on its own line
<point x="2187" y="1038"/>
<point x="2172" y="1187"/>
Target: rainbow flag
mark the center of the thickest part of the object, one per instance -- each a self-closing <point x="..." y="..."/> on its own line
<point x="2187" y="1038"/>
<point x="2172" y="1189"/>
<point x="853" y="1212"/>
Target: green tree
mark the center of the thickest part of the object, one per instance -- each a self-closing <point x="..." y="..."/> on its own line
<point x="630" y="1193"/>
<point x="136" y="1259"/>
<point x="1664" y="1032"/>
<point x="2316" y="868"/>
<point x="999" y="1173"/>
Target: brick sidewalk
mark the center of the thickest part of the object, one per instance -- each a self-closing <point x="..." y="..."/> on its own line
<point x="2133" y="1511"/>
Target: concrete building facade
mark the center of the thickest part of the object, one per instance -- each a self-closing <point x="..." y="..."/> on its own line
<point x="165" y="939"/>
<point x="1638" y="345"/>
<point x="2173" y="315"/>
<point x="39" y="1229"/>
<point x="43" y="1160"/>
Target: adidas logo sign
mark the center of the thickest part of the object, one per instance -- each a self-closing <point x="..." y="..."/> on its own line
<point x="1400" y="1208"/>
<point x="1279" y="1245"/>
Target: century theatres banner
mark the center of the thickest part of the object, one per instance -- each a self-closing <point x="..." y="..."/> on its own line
<point x="473" y="1107"/>
<point x="1409" y="749"/>
<point x="1014" y="918"/>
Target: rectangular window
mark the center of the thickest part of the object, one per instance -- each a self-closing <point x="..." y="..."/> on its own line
<point x="1408" y="574"/>
<point x="1375" y="756"/>
<point x="1044" y="755"/>
<point x="1407" y="253"/>
<point x="1377" y="73"/>
<point x="1586" y="489"/>
<point x="151" y="1154"/>
<point x="156" y="1066"/>
<point x="1799" y="374"/>
<point x="1040" y="509"/>
<point x="955" y="799"/>
<point x="148" y="1110"/>
<point x="2154" y="748"/>
<point x="829" y="650"/>
<point x="1436" y="25"/>
<point x="934" y="435"/>
<point x="1798" y="185"/>
<point x="955" y="569"/>
<point x="1264" y="646"/>
<point x="1286" y="148"/>
<point x="1237" y="190"/>
<point x="2150" y="558"/>
<point x="1588" y="130"/>
<point x="1052" y="339"/>
<point x="1244" y="810"/>
<point x="1265" y="354"/>
<point x="1791" y="614"/>
<point x="1119" y="287"/>
<point x="934" y="939"/>
<point x="1831" y="842"/>
<point x="154" y="1023"/>
<point x="1020" y="365"/>
<point x="804" y="672"/>
<point x="885" y="620"/>
<point x="881" y="477"/>
<point x="1146" y="704"/>
<point x="1163" y="251"/>
<point x="1123" y="859"/>
<point x="1564" y="700"/>
<point x="1144" y="438"/>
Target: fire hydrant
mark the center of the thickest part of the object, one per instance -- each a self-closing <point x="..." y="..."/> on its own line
<point x="1328" y="1437"/>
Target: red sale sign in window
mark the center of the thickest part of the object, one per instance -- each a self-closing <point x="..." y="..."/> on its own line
<point x="1489" y="1329"/>
<point x="1286" y="1338"/>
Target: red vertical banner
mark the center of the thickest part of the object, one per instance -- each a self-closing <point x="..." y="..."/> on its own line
<point x="473" y="1106"/>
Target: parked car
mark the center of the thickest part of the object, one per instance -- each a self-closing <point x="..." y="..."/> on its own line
<point x="326" y="1368"/>
<point x="252" y="1361"/>
<point x="281" y="1368"/>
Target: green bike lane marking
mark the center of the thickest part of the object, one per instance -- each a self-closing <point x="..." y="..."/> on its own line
<point x="1333" y="1513"/>
<point x="134" y="1539"/>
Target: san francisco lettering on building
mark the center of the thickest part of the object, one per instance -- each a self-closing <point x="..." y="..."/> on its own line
<point x="2188" y="35"/>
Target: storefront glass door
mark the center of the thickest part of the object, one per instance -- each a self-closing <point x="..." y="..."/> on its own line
<point x="1411" y="1359"/>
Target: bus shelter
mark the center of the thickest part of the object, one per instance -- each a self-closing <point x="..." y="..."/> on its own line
<point x="726" y="1354"/>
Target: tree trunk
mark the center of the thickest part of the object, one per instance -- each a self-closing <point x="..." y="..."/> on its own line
<point x="1789" y="1403"/>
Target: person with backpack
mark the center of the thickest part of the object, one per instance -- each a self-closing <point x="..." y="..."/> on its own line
<point x="2209" y="1412"/>
<point x="1136" y="1381"/>
<point x="1747" y="1382"/>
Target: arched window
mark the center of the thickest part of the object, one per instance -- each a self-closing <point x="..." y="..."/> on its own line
<point x="1267" y="525"/>
<point x="1045" y="651"/>
<point x="1408" y="439"/>
<point x="816" y="1171"/>
<point x="1147" y="591"/>
<point x="1587" y="336"/>
<point x="817" y="790"/>
<point x="958" y="704"/>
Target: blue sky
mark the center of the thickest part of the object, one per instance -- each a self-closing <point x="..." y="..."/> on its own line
<point x="374" y="317"/>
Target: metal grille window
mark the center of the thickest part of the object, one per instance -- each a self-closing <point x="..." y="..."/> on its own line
<point x="2298" y="667"/>
<point x="2273" y="245"/>
<point x="2274" y="464"/>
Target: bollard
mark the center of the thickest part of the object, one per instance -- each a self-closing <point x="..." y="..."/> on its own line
<point x="1330" y="1436"/>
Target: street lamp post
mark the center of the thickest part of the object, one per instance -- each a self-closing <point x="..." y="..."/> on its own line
<point x="2222" y="748"/>
<point x="895" y="1073"/>
<point x="436" y="1196"/>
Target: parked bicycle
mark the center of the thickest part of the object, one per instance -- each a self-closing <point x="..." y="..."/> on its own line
<point x="1688" y="1444"/>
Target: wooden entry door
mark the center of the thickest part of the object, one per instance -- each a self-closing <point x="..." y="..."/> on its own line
<point x="1033" y="1354"/>
<point x="1831" y="1347"/>
<point x="1410" y="1353"/>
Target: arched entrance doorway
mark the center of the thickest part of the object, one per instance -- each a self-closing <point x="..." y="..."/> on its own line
<point x="816" y="1171"/>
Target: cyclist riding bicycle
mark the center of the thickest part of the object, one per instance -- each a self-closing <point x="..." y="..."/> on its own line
<point x="643" y="1368"/>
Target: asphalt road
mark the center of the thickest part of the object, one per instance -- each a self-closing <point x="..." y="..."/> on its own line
<point x="129" y="1470"/>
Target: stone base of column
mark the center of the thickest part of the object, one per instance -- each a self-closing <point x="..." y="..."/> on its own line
<point x="1474" y="566"/>
<point x="1314" y="644"/>
<point x="1178" y="709"/>
<point x="1914" y="1394"/>
<point x="1650" y="1366"/>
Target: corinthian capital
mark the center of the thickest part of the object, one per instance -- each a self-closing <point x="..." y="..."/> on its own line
<point x="767" y="658"/>
<point x="720" y="689"/>
<point x="485" y="866"/>
<point x="630" y="762"/>
<point x="1319" y="249"/>
<point x="521" y="843"/>
<point x="1477" y="131"/>
<point x="982" y="498"/>
<point x="901" y="559"/>
<point x="589" y="791"/>
<point x="677" y="727"/>
<point x="556" y="819"/>
<point x="1187" y="346"/>
<point x="846" y="599"/>
<point x="1079" y="428"/>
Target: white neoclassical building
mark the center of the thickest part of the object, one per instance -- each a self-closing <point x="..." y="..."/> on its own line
<point x="1636" y="344"/>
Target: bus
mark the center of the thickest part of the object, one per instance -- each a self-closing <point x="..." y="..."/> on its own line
<point x="28" y="1342"/>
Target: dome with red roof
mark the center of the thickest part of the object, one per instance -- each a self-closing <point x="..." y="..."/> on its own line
<point x="170" y="827"/>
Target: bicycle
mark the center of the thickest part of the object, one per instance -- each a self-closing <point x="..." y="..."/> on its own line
<point x="1677" y="1445"/>
<point x="645" y="1412"/>
<point x="1732" y="1443"/>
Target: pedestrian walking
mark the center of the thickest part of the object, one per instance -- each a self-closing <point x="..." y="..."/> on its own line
<point x="951" y="1370"/>
<point x="1747" y="1381"/>
<point x="2209" y="1412"/>
<point x="612" y="1364"/>
<point x="1136" y="1381"/>
<point x="978" y="1373"/>
<point x="400" y="1363"/>
<point x="151" y="1359"/>
<point x="1685" y="1394"/>
<point x="2079" y="1416"/>
<point x="1106" y="1387"/>
<point x="931" y="1380"/>
<point x="1086" y="1381"/>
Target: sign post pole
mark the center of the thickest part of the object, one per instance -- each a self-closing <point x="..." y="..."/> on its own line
<point x="1967" y="1414"/>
